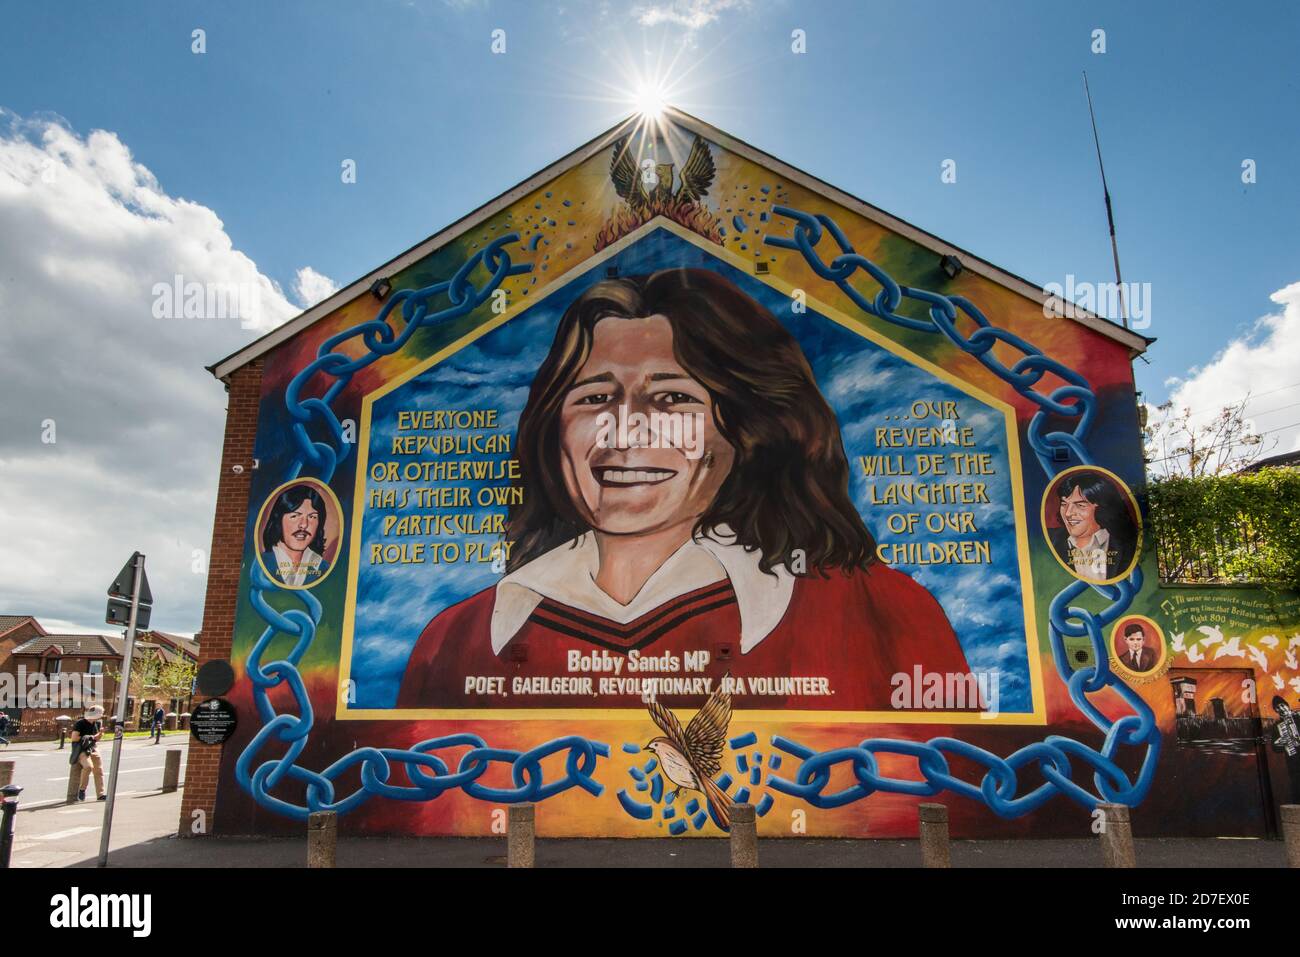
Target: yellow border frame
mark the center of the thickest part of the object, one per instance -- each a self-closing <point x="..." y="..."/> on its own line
<point x="1038" y="716"/>
<point x="1137" y="545"/>
<point x="343" y="531"/>
<point x="1157" y="670"/>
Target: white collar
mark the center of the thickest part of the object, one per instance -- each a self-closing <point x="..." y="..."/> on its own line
<point x="1100" y="539"/>
<point x="567" y="574"/>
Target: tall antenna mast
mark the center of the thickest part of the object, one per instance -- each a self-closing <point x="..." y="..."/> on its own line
<point x="1110" y="215"/>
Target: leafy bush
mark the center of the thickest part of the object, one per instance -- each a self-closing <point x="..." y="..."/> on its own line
<point x="1228" y="528"/>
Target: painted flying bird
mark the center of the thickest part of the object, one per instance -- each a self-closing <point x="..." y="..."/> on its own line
<point x="1291" y="661"/>
<point x="1232" y="649"/>
<point x="1293" y="641"/>
<point x="1177" y="647"/>
<point x="693" y="183"/>
<point x="1278" y="683"/>
<point x="690" y="758"/>
<point x="1258" y="657"/>
<point x="1295" y="683"/>
<point x="1194" y="654"/>
<point x="1212" y="635"/>
<point x="1269" y="641"/>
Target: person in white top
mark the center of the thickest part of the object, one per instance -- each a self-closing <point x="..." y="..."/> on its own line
<point x="1097" y="536"/>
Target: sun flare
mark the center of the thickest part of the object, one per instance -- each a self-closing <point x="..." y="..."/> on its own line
<point x="650" y="99"/>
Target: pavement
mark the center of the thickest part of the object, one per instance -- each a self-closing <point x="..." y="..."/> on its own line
<point x="144" y="836"/>
<point x="50" y="833"/>
<point x="691" y="852"/>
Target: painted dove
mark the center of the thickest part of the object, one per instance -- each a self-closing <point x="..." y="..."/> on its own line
<point x="1232" y="649"/>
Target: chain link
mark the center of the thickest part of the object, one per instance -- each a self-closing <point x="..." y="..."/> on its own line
<point x="429" y="773"/>
<point x="1051" y="757"/>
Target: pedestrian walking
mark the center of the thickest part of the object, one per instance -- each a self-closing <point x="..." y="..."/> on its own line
<point x="4" y="728"/>
<point x="85" y="737"/>
<point x="158" y="718"/>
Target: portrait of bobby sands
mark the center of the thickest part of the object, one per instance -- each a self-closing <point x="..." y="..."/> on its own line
<point x="1097" y="536"/>
<point x="623" y="546"/>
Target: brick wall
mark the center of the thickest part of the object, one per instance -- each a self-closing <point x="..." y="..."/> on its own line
<point x="204" y="761"/>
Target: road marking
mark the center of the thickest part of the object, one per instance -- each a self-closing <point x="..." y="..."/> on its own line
<point x="60" y="835"/>
<point x="152" y="767"/>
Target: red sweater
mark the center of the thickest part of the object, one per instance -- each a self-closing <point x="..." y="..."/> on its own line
<point x="842" y="639"/>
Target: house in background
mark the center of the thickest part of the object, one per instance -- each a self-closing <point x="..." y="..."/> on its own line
<point x="50" y="666"/>
<point x="1283" y="460"/>
<point x="14" y="631"/>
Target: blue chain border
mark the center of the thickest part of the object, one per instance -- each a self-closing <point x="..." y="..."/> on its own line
<point x="1052" y="755"/>
<point x="376" y="764"/>
<point x="998" y="787"/>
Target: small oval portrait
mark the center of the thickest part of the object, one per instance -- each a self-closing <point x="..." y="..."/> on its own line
<point x="1137" y="647"/>
<point x="1091" y="521"/>
<point x="299" y="530"/>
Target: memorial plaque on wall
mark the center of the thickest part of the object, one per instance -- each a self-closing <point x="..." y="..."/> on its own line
<point x="213" y="722"/>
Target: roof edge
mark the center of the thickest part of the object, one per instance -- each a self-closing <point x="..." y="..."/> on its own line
<point x="1054" y="307"/>
<point x="263" y="344"/>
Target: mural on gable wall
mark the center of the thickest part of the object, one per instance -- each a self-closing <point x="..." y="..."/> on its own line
<point x="674" y="484"/>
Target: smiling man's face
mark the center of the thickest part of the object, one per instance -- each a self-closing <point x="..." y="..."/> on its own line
<point x="298" y="528"/>
<point x="1134" y="642"/>
<point x="1079" y="516"/>
<point x="637" y="487"/>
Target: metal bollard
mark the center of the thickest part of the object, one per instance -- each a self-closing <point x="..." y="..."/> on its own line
<point x="6" y="773"/>
<point x="521" y="834"/>
<point x="8" y="805"/>
<point x="744" y="836"/>
<point x="1291" y="833"/>
<point x="934" y="836"/>
<point x="171" y="770"/>
<point x="322" y="838"/>
<point x="1116" y="836"/>
<point x="74" y="783"/>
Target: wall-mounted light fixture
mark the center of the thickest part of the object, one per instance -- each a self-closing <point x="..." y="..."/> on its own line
<point x="951" y="266"/>
<point x="380" y="288"/>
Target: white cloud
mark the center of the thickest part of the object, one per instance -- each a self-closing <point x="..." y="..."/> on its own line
<point x="311" y="287"/>
<point x="86" y="234"/>
<point x="689" y="14"/>
<point x="1260" y="363"/>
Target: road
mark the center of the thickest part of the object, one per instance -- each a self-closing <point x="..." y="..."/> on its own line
<point x="42" y="771"/>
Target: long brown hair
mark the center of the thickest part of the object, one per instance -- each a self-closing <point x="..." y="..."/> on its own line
<point x="788" y="486"/>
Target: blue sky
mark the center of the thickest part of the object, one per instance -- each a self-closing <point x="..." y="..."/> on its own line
<point x="240" y="148"/>
<point x="256" y="128"/>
